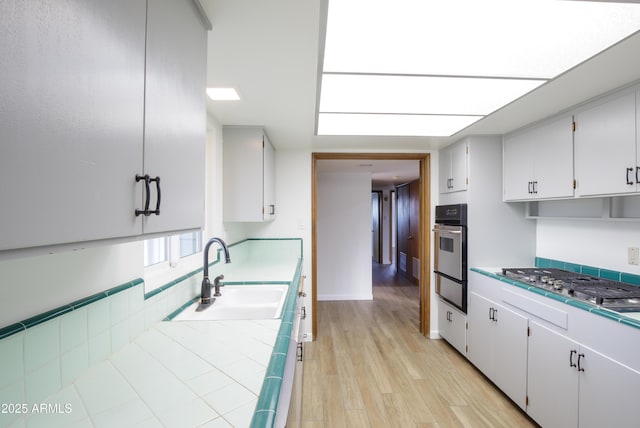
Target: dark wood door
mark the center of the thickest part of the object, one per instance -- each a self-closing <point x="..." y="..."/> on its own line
<point x="408" y="231"/>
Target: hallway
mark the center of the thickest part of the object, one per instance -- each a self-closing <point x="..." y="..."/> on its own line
<point x="370" y="367"/>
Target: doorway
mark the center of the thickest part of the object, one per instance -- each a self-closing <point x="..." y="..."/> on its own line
<point x="424" y="222"/>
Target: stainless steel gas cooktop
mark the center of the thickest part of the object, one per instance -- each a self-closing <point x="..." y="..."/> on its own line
<point x="614" y="295"/>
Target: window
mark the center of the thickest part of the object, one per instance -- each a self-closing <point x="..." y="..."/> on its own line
<point x="190" y="243"/>
<point x="155" y="251"/>
<point x="171" y="248"/>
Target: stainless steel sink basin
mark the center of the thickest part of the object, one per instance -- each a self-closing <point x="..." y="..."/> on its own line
<point x="240" y="302"/>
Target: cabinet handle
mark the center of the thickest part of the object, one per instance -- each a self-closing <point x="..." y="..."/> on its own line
<point x="529" y="187"/>
<point x="157" y="210"/>
<point x="637" y="180"/>
<point x="629" y="182"/>
<point x="304" y="313"/>
<point x="571" y="354"/>
<point x="580" y="357"/>
<point x="300" y="353"/>
<point x="147" y="197"/>
<point x="272" y="210"/>
<point x="495" y="318"/>
<point x="146" y="179"/>
<point x="535" y="187"/>
<point x="492" y="314"/>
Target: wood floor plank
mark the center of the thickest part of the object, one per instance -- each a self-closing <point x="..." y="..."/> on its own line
<point x="371" y="367"/>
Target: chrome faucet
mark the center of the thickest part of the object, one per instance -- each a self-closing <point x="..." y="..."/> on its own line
<point x="205" y="293"/>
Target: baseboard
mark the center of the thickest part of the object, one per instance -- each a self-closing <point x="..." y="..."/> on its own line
<point x="339" y="297"/>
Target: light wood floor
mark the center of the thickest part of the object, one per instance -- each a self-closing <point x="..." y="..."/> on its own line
<point x="371" y="367"/>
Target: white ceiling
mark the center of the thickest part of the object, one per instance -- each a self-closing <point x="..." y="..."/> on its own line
<point x="271" y="51"/>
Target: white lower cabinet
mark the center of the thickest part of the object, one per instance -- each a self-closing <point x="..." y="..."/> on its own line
<point x="452" y="325"/>
<point x="497" y="345"/>
<point x="572" y="385"/>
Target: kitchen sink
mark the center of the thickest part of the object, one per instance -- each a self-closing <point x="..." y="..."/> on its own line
<point x="240" y="302"/>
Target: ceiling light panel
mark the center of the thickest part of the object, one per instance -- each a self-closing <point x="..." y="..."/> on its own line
<point x="502" y="38"/>
<point x="359" y="93"/>
<point x="223" y="94"/>
<point x="391" y="124"/>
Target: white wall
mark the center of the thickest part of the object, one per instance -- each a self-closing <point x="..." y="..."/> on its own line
<point x="293" y="212"/>
<point x="343" y="226"/>
<point x="600" y="244"/>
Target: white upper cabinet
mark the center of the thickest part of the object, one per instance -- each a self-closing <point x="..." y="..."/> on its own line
<point x="249" y="175"/>
<point x="71" y="103"/>
<point x="74" y="131"/>
<point x="538" y="162"/>
<point x="175" y="114"/>
<point x="606" y="147"/>
<point x="453" y="168"/>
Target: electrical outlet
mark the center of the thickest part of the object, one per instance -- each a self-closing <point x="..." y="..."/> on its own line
<point x="633" y="255"/>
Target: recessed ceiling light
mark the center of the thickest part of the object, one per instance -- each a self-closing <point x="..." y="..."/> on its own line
<point x="223" y="94"/>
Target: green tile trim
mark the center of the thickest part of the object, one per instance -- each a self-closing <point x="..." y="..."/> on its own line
<point x="267" y="405"/>
<point x="12" y="329"/>
<point x="615" y="316"/>
<point x="218" y="260"/>
<point x="65" y="309"/>
<point x="175" y="313"/>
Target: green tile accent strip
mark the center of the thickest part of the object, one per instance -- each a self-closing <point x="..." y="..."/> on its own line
<point x="267" y="405"/>
<point x="615" y="316"/>
<point x="53" y="313"/>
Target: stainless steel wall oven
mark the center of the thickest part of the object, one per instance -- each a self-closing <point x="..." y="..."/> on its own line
<point x="450" y="242"/>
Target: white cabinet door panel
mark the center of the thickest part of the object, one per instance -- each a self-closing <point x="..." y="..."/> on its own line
<point x="175" y="114"/>
<point x="553" y="169"/>
<point x="481" y="340"/>
<point x="605" y="147"/>
<point x="71" y="104"/>
<point x="552" y="381"/>
<point x="518" y="152"/>
<point x="510" y="373"/>
<point x="608" y="392"/>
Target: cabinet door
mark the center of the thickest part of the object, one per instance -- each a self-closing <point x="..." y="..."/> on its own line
<point x="552" y="380"/>
<point x="444" y="170"/>
<point x="510" y="365"/>
<point x="71" y="98"/>
<point x="553" y="154"/>
<point x="269" y="178"/>
<point x="608" y="392"/>
<point x="175" y="114"/>
<point x="518" y="152"/>
<point x="243" y="191"/>
<point x="481" y="334"/>
<point x="459" y="167"/>
<point x="605" y="147"/>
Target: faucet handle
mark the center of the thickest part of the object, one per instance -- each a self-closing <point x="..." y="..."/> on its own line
<point x="217" y="279"/>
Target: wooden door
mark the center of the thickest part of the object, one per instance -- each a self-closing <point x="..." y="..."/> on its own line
<point x="408" y="261"/>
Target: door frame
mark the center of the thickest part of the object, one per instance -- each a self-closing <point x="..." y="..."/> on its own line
<point x="424" y="252"/>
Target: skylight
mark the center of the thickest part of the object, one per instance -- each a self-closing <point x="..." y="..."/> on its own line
<point x="429" y="67"/>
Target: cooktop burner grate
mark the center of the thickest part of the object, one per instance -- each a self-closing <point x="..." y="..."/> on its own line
<point x="602" y="291"/>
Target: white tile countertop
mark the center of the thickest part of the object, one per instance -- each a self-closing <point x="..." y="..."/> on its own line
<point x="181" y="374"/>
<point x="143" y="371"/>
